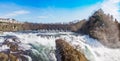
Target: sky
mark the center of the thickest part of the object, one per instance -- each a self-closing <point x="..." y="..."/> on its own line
<point x="52" y="11"/>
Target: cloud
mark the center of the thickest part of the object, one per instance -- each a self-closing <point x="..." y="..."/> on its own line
<point x="112" y="7"/>
<point x="42" y="17"/>
<point x="16" y="13"/>
<point x="53" y="15"/>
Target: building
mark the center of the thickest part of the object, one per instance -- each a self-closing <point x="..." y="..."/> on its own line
<point x="8" y="20"/>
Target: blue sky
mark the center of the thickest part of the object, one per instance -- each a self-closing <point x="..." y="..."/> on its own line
<point x="50" y="11"/>
<point x="55" y="3"/>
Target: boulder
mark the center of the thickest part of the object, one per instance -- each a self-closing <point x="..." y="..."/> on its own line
<point x="65" y="52"/>
<point x="3" y="56"/>
<point x="13" y="53"/>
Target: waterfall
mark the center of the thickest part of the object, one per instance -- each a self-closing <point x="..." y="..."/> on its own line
<point x="40" y="46"/>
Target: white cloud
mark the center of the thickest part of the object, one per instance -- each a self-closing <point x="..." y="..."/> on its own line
<point x="53" y="15"/>
<point x="42" y="17"/>
<point x="112" y="7"/>
<point x="16" y="13"/>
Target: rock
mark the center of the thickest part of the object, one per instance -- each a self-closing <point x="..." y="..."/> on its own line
<point x="78" y="25"/>
<point x="1" y="32"/>
<point x="3" y="57"/>
<point x="13" y="57"/>
<point x="104" y="28"/>
<point x="13" y="53"/>
<point x="65" y="52"/>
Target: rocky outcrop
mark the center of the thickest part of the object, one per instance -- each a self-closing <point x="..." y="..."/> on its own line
<point x="13" y="53"/>
<point x="104" y="28"/>
<point x="78" y="25"/>
<point x="65" y="52"/>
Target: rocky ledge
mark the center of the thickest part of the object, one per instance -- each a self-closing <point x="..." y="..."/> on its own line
<point x="65" y="52"/>
<point x="103" y="27"/>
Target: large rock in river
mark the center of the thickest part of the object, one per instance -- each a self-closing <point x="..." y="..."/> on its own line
<point x="103" y="27"/>
<point x="65" y="52"/>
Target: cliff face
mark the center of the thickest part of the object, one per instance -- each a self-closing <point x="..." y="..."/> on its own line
<point x="104" y="28"/>
<point x="65" y="52"/>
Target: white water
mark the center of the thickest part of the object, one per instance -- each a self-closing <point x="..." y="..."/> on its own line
<point x="42" y="46"/>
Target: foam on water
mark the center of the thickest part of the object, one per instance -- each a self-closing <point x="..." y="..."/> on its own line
<point x="42" y="45"/>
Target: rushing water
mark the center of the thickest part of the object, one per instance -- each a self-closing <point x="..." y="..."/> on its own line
<point x="40" y="46"/>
